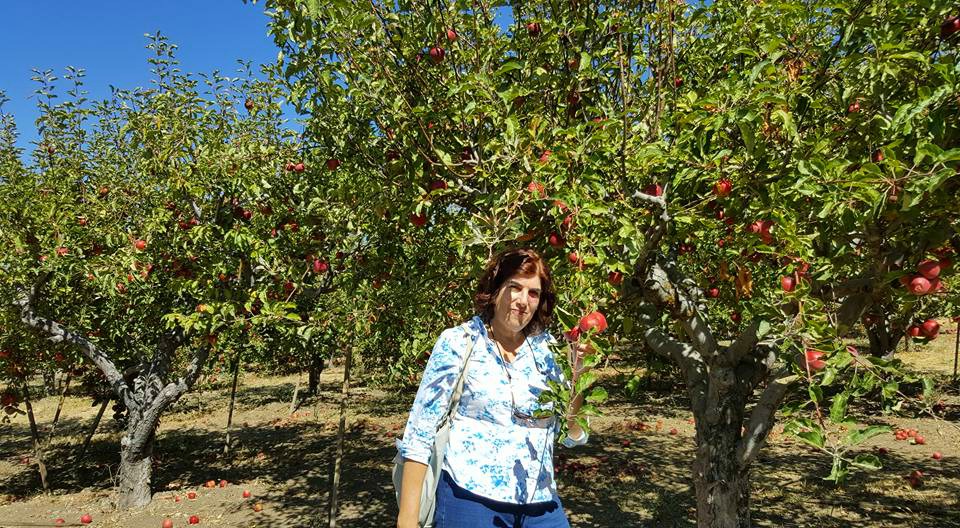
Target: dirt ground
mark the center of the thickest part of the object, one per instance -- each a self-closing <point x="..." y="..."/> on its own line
<point x="624" y="476"/>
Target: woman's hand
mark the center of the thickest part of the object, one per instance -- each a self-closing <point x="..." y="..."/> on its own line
<point x="577" y="352"/>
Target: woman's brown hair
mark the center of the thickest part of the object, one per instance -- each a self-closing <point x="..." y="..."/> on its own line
<point x="506" y="264"/>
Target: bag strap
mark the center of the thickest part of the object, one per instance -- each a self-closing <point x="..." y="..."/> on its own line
<point x="458" y="388"/>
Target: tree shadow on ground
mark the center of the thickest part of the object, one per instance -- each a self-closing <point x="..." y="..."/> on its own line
<point x="625" y="477"/>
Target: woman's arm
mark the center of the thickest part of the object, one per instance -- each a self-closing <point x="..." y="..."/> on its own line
<point x="576" y="435"/>
<point x="413" y="474"/>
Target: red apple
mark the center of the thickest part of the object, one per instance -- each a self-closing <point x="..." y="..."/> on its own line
<point x="916" y="478"/>
<point x="573" y="258"/>
<point x="723" y="187"/>
<point x="930" y="269"/>
<point x="86" y="518"/>
<point x="573" y="334"/>
<point x="814" y="360"/>
<point x="615" y="278"/>
<point x="545" y="156"/>
<point x="537" y="188"/>
<point x="451" y="35"/>
<point x="224" y="483"/>
<point x="555" y="240"/>
<point x="299" y="167"/>
<point x="949" y="26"/>
<point x="654" y="189"/>
<point x="61" y="251"/>
<point x="735" y="317"/>
<point x="593" y="321"/>
<point x="674" y="431"/>
<point x="713" y="292"/>
<point x="418" y="220"/>
<point x="854" y="107"/>
<point x="436" y="54"/>
<point x="919" y="440"/>
<point x="320" y="266"/>
<point x="140" y="244"/>
<point x="533" y="29"/>
<point x="930" y="328"/>
<point x="677" y="82"/>
<point x="246" y="494"/>
<point x="193" y="520"/>
<point x="290" y="166"/>
<point x="788" y="283"/>
<point x="937" y="455"/>
<point x="81" y="220"/>
<point x="935" y="285"/>
<point x="919" y="286"/>
<point x="332" y="164"/>
<point x="877" y="156"/>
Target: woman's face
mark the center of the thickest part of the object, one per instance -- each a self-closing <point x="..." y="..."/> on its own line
<point x="517" y="301"/>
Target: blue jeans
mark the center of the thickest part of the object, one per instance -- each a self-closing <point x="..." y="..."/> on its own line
<point x="459" y="508"/>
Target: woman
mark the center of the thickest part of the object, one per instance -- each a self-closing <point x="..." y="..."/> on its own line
<point x="498" y="468"/>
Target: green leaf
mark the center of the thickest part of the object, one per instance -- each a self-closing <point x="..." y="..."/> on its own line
<point x="856" y="437"/>
<point x="585" y="381"/>
<point x="814" y="438"/>
<point x="597" y="395"/>
<point x="838" y="410"/>
<point x="867" y="461"/>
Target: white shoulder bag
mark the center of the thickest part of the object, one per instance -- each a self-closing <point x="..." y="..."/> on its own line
<point x="428" y="494"/>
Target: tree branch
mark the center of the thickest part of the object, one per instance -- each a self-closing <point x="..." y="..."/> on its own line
<point x="744" y="344"/>
<point x="663" y="292"/>
<point x="761" y="419"/>
<point x="57" y="333"/>
<point x="170" y="393"/>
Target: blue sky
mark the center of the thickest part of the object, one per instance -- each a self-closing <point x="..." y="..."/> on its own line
<point x="106" y="38"/>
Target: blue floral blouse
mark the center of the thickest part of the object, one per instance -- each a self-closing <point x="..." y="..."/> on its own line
<point x="493" y="451"/>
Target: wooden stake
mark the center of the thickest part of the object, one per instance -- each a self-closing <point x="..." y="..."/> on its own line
<point x="338" y="463"/>
<point x="233" y="399"/>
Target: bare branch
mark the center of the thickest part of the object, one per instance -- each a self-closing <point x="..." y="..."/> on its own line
<point x="169" y="394"/>
<point x="761" y="419"/>
<point x="743" y="345"/>
<point x="688" y="359"/>
<point x="662" y="292"/>
<point x="57" y="333"/>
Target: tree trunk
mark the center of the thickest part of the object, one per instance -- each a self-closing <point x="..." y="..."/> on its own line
<point x="722" y="487"/>
<point x="313" y="380"/>
<point x="35" y="435"/>
<point x="135" y="472"/>
<point x="233" y="399"/>
<point x="296" y="392"/>
<point x="883" y="342"/>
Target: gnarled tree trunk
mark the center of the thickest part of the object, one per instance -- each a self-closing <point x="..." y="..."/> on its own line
<point x="146" y="392"/>
<point x="721" y="381"/>
<point x="135" y="472"/>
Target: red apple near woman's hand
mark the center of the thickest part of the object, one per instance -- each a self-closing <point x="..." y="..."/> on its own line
<point x="593" y="321"/>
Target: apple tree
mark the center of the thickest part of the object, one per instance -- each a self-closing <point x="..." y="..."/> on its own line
<point x="139" y="233"/>
<point x="694" y="170"/>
